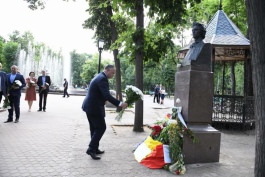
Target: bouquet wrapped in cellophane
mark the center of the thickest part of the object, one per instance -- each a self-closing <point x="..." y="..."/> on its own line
<point x="133" y="94"/>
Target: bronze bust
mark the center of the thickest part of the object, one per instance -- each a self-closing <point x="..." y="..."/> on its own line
<point x="198" y="33"/>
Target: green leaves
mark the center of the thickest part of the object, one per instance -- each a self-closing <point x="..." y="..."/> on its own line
<point x="10" y="50"/>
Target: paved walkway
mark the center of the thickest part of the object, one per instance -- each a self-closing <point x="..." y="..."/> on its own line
<point x="53" y="143"/>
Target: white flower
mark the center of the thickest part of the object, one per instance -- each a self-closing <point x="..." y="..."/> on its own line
<point x="135" y="90"/>
<point x="46" y="84"/>
<point x="133" y="94"/>
<point x="18" y="83"/>
<point x="178" y="65"/>
<point x="32" y="82"/>
<point x="177" y="100"/>
<point x="172" y="121"/>
<point x="183" y="170"/>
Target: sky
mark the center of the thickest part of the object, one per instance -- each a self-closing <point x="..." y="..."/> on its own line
<point x="59" y="25"/>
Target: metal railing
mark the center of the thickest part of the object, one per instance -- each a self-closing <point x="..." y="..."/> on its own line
<point x="233" y="109"/>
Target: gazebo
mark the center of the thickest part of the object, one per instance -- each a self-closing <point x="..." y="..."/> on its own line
<point x="229" y="47"/>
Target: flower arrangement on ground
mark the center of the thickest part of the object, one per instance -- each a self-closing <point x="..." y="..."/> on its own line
<point x="133" y="94"/>
<point x="16" y="84"/>
<point x="169" y="132"/>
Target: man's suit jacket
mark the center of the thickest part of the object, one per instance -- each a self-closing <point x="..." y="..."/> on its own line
<point x="65" y="84"/>
<point x="47" y="80"/>
<point x="15" y="92"/>
<point x="3" y="82"/>
<point x="97" y="94"/>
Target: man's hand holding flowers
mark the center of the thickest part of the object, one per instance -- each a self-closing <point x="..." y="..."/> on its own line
<point x="16" y="84"/>
<point x="124" y="105"/>
<point x="44" y="87"/>
<point x="133" y="94"/>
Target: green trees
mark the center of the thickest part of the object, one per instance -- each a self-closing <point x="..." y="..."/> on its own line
<point x="107" y="23"/>
<point x="235" y="9"/>
<point x="77" y="62"/>
<point x="2" y="58"/>
<point x="10" y="53"/>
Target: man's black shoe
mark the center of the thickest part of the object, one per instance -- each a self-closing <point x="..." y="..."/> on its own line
<point x="16" y="121"/>
<point x="39" y="110"/>
<point x="44" y="110"/>
<point x="8" y="121"/>
<point x="93" y="155"/>
<point x="99" y="152"/>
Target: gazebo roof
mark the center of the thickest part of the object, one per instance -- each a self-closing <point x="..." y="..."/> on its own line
<point x="222" y="31"/>
<point x="227" y="40"/>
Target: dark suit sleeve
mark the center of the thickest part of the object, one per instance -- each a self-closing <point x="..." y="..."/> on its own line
<point x="104" y="89"/>
<point x="22" y="80"/>
<point x="39" y="82"/>
<point x="49" y="80"/>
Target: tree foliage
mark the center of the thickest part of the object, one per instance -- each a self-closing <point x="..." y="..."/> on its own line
<point x="77" y="62"/>
<point x="2" y="58"/>
<point x="235" y="10"/>
<point x="10" y="53"/>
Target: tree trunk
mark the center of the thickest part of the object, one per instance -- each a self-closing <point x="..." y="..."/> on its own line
<point x="114" y="37"/>
<point x="139" y="41"/>
<point x="256" y="14"/>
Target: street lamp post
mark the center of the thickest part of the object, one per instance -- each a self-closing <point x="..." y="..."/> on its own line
<point x="100" y="48"/>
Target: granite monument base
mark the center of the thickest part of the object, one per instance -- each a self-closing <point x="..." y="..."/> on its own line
<point x="207" y="149"/>
<point x="195" y="90"/>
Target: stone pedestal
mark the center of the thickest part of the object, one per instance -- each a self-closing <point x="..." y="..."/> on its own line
<point x="195" y="90"/>
<point x="206" y="150"/>
<point x="194" y="87"/>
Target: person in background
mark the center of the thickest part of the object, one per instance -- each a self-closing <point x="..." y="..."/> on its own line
<point x="159" y="93"/>
<point x="156" y="94"/>
<point x="65" y="85"/>
<point x="15" y="82"/>
<point x="3" y="83"/>
<point x="162" y="94"/>
<point x="94" y="106"/>
<point x="31" y="83"/>
<point x="44" y="83"/>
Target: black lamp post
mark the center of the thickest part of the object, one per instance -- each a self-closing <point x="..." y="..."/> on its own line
<point x="100" y="48"/>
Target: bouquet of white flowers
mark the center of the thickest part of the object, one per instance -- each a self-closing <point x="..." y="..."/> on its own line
<point x="31" y="83"/>
<point x="16" y="84"/>
<point x="45" y="86"/>
<point x="133" y="94"/>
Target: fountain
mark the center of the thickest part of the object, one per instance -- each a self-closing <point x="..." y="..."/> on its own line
<point x="56" y="66"/>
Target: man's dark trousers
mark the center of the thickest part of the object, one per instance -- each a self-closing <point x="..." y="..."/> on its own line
<point x="43" y="95"/>
<point x="97" y="129"/>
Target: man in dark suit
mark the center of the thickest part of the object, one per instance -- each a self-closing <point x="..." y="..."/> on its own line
<point x="14" y="92"/>
<point x="44" y="83"/>
<point x="94" y="106"/>
<point x="3" y="83"/>
<point x="65" y="86"/>
<point x="156" y="93"/>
